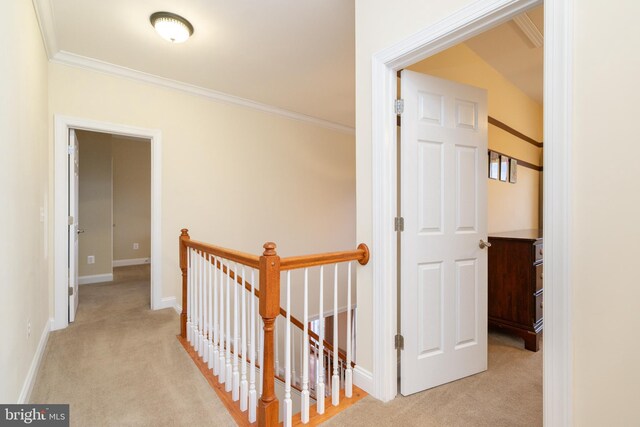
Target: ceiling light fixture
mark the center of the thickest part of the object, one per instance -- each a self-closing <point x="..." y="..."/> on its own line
<point x="171" y="27"/>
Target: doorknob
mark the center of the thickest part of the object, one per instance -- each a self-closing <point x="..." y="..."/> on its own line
<point x="484" y="244"/>
<point x="80" y="230"/>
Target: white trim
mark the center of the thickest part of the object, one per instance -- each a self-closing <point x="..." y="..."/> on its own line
<point x="529" y="29"/>
<point x="474" y="19"/>
<point x="44" y="15"/>
<point x="72" y="59"/>
<point x="178" y="308"/>
<point x="96" y="278"/>
<point x="558" y="125"/>
<point x="328" y="313"/>
<point x="363" y="379"/>
<point x="62" y="124"/>
<point x="32" y="373"/>
<point x="131" y="261"/>
<point x="166" y="302"/>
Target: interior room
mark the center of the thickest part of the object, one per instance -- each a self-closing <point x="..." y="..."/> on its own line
<point x="279" y="207"/>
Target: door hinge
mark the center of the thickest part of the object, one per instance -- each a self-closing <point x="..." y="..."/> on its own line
<point x="399" y="223"/>
<point x="399" y="106"/>
<point x="71" y="149"/>
<point x="399" y="342"/>
<point x="70" y="290"/>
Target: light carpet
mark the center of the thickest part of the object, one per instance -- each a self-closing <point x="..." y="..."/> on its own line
<point x="508" y="394"/>
<point x="120" y="364"/>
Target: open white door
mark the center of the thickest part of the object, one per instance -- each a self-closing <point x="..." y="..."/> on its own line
<point x="73" y="224"/>
<point x="444" y="206"/>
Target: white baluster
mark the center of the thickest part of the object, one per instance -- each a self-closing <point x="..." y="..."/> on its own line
<point x="205" y="307"/>
<point x="275" y="344"/>
<point x="261" y="354"/>
<point x="221" y="334"/>
<point x="228" y="377"/>
<point x="244" y="385"/>
<point x="189" y="292"/>
<point x="320" y="363"/>
<point x="335" y="379"/>
<point x="288" y="407"/>
<point x="293" y="356"/>
<point x="194" y="288"/>
<point x="210" y="298"/>
<point x="196" y="302"/>
<point x="305" y="352"/>
<point x="200" y="300"/>
<point x="348" y="376"/>
<point x="215" y="355"/>
<point x="236" y="339"/>
<point x="253" y="401"/>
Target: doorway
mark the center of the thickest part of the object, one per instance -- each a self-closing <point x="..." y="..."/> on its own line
<point x="63" y="277"/>
<point x="114" y="205"/>
<point x="454" y="207"/>
<point x="469" y="21"/>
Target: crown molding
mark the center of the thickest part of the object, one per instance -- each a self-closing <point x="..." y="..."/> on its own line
<point x="68" y="58"/>
<point x="529" y="29"/>
<point x="44" y="15"/>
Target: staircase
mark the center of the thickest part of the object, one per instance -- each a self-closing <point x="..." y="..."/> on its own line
<point x="254" y="352"/>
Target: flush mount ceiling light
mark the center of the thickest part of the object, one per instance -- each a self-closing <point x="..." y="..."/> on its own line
<point x="171" y="27"/>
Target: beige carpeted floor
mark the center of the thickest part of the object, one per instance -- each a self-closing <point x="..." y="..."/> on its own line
<point x="120" y="364"/>
<point x="508" y="394"/>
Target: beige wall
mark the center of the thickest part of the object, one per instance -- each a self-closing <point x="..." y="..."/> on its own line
<point x="606" y="208"/>
<point x="23" y="191"/>
<point x="232" y="175"/>
<point x="95" y="203"/>
<point x="131" y="198"/>
<point x="605" y="203"/>
<point x="511" y="206"/>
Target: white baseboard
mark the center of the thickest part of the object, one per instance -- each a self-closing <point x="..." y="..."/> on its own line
<point x="29" y="381"/>
<point x="166" y="302"/>
<point x="178" y="308"/>
<point x="132" y="261"/>
<point x="96" y="278"/>
<point x="363" y="379"/>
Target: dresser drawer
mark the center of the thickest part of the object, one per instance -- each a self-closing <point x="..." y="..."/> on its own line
<point x="538" y="307"/>
<point x="538" y="252"/>
<point x="539" y="276"/>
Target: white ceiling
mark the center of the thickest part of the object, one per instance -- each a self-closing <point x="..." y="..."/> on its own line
<point x="297" y="56"/>
<point x="508" y="50"/>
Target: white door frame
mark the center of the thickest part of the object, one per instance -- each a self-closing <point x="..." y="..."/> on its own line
<point x="472" y="20"/>
<point x="62" y="124"/>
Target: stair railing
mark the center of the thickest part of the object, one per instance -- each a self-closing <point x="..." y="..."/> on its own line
<point x="211" y="274"/>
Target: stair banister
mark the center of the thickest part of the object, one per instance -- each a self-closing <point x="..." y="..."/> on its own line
<point x="269" y="311"/>
<point x="205" y="324"/>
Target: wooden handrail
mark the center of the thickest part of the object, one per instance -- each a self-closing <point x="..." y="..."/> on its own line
<point x="291" y="263"/>
<point x="270" y="266"/>
<point x="230" y="254"/>
<point x="328" y="348"/>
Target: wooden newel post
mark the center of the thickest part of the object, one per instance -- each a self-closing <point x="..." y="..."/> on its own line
<point x="269" y="310"/>
<point x="184" y="235"/>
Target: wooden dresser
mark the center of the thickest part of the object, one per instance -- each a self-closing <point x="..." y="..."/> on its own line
<point x="515" y="284"/>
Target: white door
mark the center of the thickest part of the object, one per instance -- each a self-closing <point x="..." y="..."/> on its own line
<point x="444" y="206"/>
<point x="73" y="224"/>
